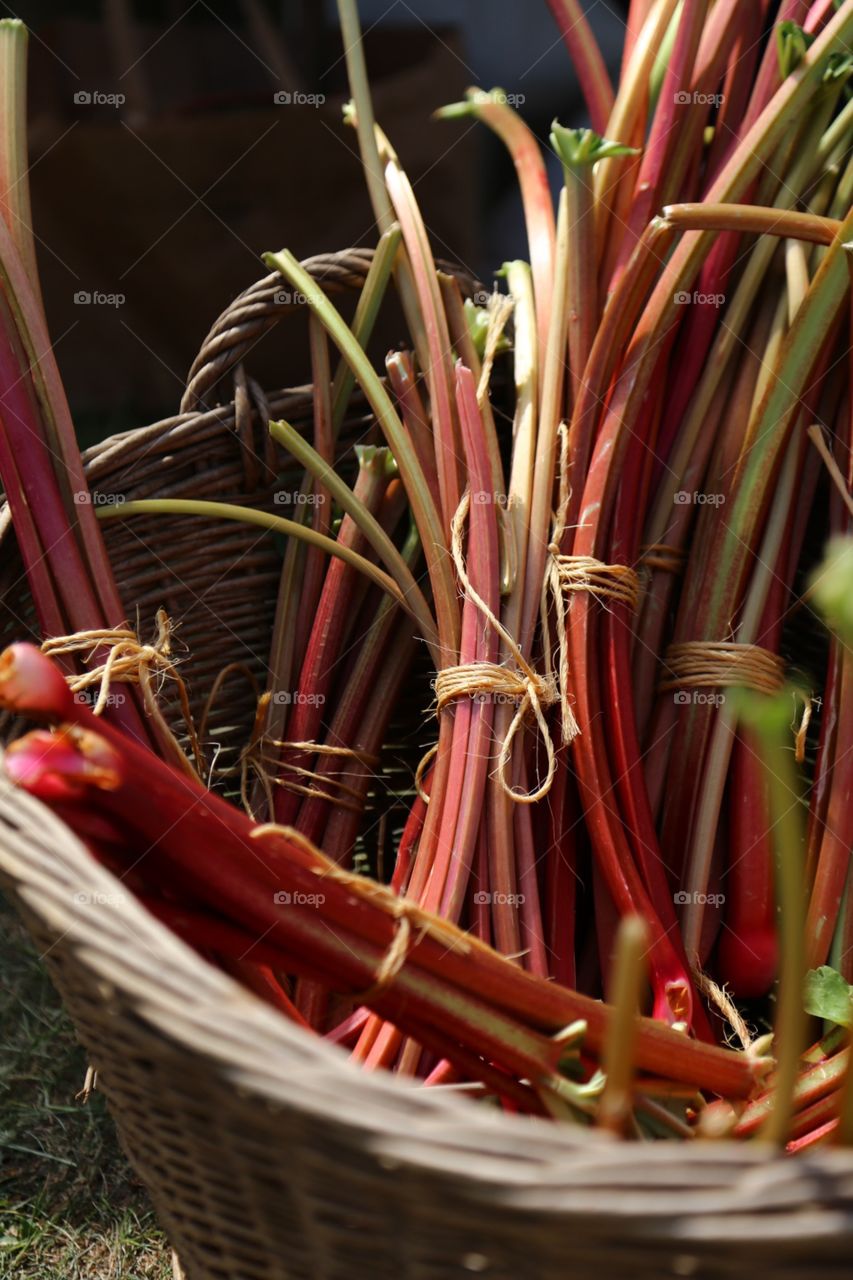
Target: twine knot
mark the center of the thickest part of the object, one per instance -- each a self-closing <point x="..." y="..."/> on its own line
<point x="490" y="682"/>
<point x="128" y="661"/>
<point x="486" y="680"/>
<point x="566" y="576"/>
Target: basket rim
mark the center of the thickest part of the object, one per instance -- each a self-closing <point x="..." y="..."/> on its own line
<point x="551" y="1169"/>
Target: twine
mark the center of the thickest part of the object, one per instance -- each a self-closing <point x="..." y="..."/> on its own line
<point x="801" y="733"/>
<point x="500" y="310"/>
<point x="566" y="575"/>
<point x="718" y="665"/>
<point x="531" y="691"/>
<point x="659" y="555"/>
<point x="722" y="1001"/>
<point x="129" y="662"/>
<point x="616" y="582"/>
<point x="424" y="764"/>
<point x="412" y="923"/>
<point x="348" y="798"/>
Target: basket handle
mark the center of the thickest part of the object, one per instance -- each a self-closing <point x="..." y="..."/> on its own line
<point x="261" y="306"/>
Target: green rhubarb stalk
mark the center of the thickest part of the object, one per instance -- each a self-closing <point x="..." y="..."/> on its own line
<point x="366" y="311"/>
<point x="747" y="218"/>
<point x="770" y="720"/>
<point x="285" y="655"/>
<point x="14" y="187"/>
<point x="579" y="150"/>
<point x="290" y="439"/>
<point x="423" y="508"/>
<point x="263" y="519"/>
<point x="629" y="975"/>
<point x="550" y="416"/>
<point x="364" y="121"/>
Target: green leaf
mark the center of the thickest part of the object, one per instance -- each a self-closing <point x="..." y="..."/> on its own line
<point x="832" y="587"/>
<point x="829" y="996"/>
<point x="792" y="43"/>
<point x="578" y="148"/>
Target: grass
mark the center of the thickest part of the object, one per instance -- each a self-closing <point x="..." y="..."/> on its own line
<point x="70" y="1205"/>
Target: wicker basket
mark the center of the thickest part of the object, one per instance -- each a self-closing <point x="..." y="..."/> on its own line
<point x="267" y="1154"/>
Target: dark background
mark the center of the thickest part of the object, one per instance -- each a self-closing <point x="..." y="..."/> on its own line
<point x="163" y="202"/>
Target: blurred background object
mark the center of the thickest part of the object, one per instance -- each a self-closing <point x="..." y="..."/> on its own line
<point x="172" y="143"/>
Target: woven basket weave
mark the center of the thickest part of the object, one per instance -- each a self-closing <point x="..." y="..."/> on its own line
<point x="267" y="1154"/>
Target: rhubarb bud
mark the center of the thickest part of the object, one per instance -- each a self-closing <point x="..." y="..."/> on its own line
<point x="63" y="765"/>
<point x="31" y="685"/>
